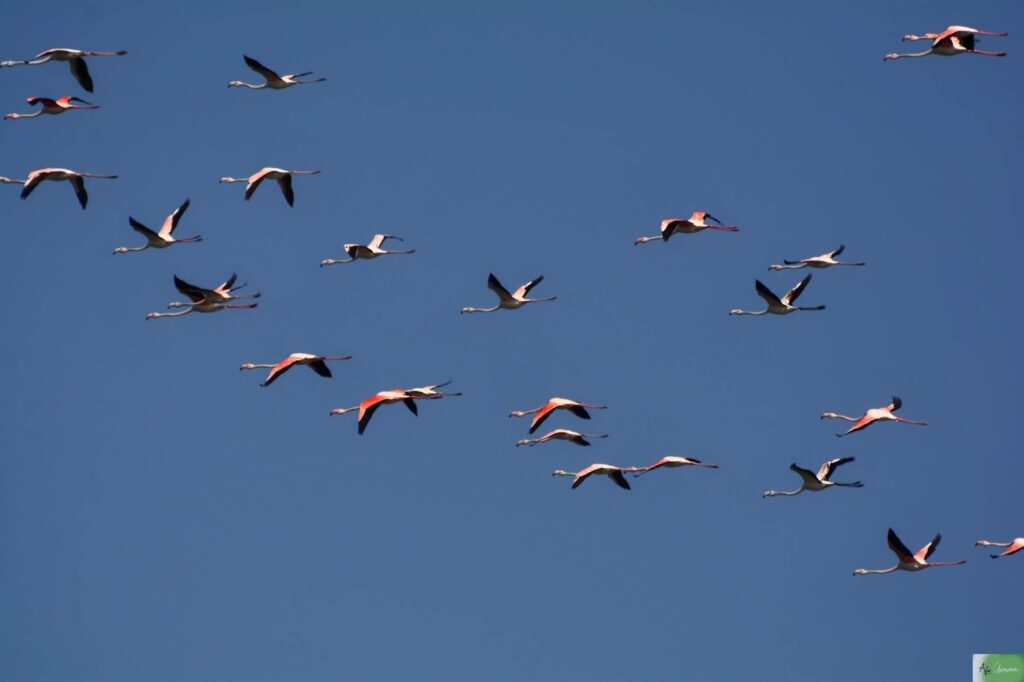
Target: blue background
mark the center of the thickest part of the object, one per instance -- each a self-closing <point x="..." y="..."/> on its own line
<point x="164" y="518"/>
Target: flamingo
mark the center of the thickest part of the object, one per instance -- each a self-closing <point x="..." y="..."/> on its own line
<point x="76" y="179"/>
<point x="75" y="59"/>
<point x="200" y="307"/>
<point x="430" y="392"/>
<point x="317" y="363"/>
<point x="1014" y="546"/>
<point x="825" y="260"/>
<point x="776" y="305"/>
<point x="221" y="294"/>
<point x="283" y="177"/>
<point x="673" y="462"/>
<point x="163" y="238"/>
<point x="817" y="481"/>
<point x="52" y="106"/>
<point x="696" y="223"/>
<point x="613" y="472"/>
<point x="908" y="561"/>
<point x="511" y="301"/>
<point x="561" y="434"/>
<point x="878" y="414"/>
<point x="953" y="41"/>
<point x="273" y="81"/>
<point x="370" y="405"/>
<point x="368" y="251"/>
<point x="545" y="410"/>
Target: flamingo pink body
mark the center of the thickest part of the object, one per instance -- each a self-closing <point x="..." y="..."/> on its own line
<point x="544" y="411"/>
<point x="1012" y="547"/>
<point x="317" y="363"/>
<point x="953" y="41"/>
<point x="74" y="58"/>
<point x="613" y="472"/>
<point x="697" y="222"/>
<point x="52" y="107"/>
<point x="878" y="414"/>
<point x="907" y="560"/>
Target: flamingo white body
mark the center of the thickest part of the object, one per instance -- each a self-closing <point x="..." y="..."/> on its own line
<point x="562" y="434"/>
<point x="696" y="223"/>
<point x="951" y="42"/>
<point x="283" y="177"/>
<point x="272" y="80"/>
<point x="907" y="560"/>
<point x="613" y="472"/>
<point x="540" y="414"/>
<point x="816" y="482"/>
<point x="510" y="301"/>
<point x="1012" y="547"/>
<point x="52" y="107"/>
<point x="164" y="237"/>
<point x="367" y="251"/>
<point x="825" y="260"/>
<point x="77" y="180"/>
<point x="878" y="414"/>
<point x="74" y="58"/>
<point x="673" y="462"/>
<point x="776" y="305"/>
<point x="370" y="405"/>
<point x="317" y="363"/>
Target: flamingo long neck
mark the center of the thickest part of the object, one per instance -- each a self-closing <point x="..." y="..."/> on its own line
<point x="32" y="115"/>
<point x="242" y="84"/>
<point x="749" y="312"/>
<point x="560" y="472"/>
<point x="183" y="312"/>
<point x="481" y="310"/>
<point x="833" y="415"/>
<point x="986" y="543"/>
<point x="255" y="366"/>
<point x="911" y="54"/>
<point x="644" y="240"/>
<point x="879" y="571"/>
<point x="344" y="410"/>
<point x="234" y="179"/>
<point x="794" y="266"/>
<point x="789" y="493"/>
<point x="125" y="249"/>
<point x="332" y="261"/>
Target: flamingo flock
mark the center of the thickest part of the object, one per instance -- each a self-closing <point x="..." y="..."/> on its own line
<point x="954" y="40"/>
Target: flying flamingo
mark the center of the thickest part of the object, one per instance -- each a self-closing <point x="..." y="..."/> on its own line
<point x="368" y="251"/>
<point x="75" y="59"/>
<point x="430" y="392"/>
<point x="52" y="106"/>
<point x="908" y="561"/>
<point x="561" y="434"/>
<point x="672" y="462"/>
<point x="825" y="260"/>
<point x="1013" y="547"/>
<point x="510" y="301"/>
<point x="76" y="179"/>
<point x="776" y="305"/>
<point x="283" y="177"/>
<point x="163" y="238"/>
<point x="221" y="294"/>
<point x="317" y="363"/>
<point x="273" y="81"/>
<point x="878" y="414"/>
<point x="696" y="223"/>
<point x="370" y="405"/>
<point x="953" y="41"/>
<point x="201" y="307"/>
<point x="815" y="482"/>
<point x="612" y="472"/>
<point x="545" y="410"/>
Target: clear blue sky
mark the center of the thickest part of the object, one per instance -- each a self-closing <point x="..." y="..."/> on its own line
<point x="164" y="518"/>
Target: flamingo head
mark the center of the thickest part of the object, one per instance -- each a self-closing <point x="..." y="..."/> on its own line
<point x="736" y="311"/>
<point x="235" y="84"/>
<point x="860" y="571"/>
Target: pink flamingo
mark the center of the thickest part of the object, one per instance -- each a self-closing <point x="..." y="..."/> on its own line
<point x="544" y="411"/>
<point x="283" y="177"/>
<point x="371" y="404"/>
<point x="908" y="561"/>
<point x="368" y="251"/>
<point x="562" y="434"/>
<point x="672" y="462"/>
<point x="953" y="41"/>
<point x="509" y="301"/>
<point x="816" y="482"/>
<point x="776" y="305"/>
<point x="696" y="223"/>
<point x="825" y="260"/>
<point x="52" y="106"/>
<point x="317" y="363"/>
<point x="1014" y="546"/>
<point x="77" y="180"/>
<point x="273" y="81"/>
<point x="163" y="238"/>
<point x="612" y="472"/>
<point x="878" y="414"/>
<point x="74" y="58"/>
